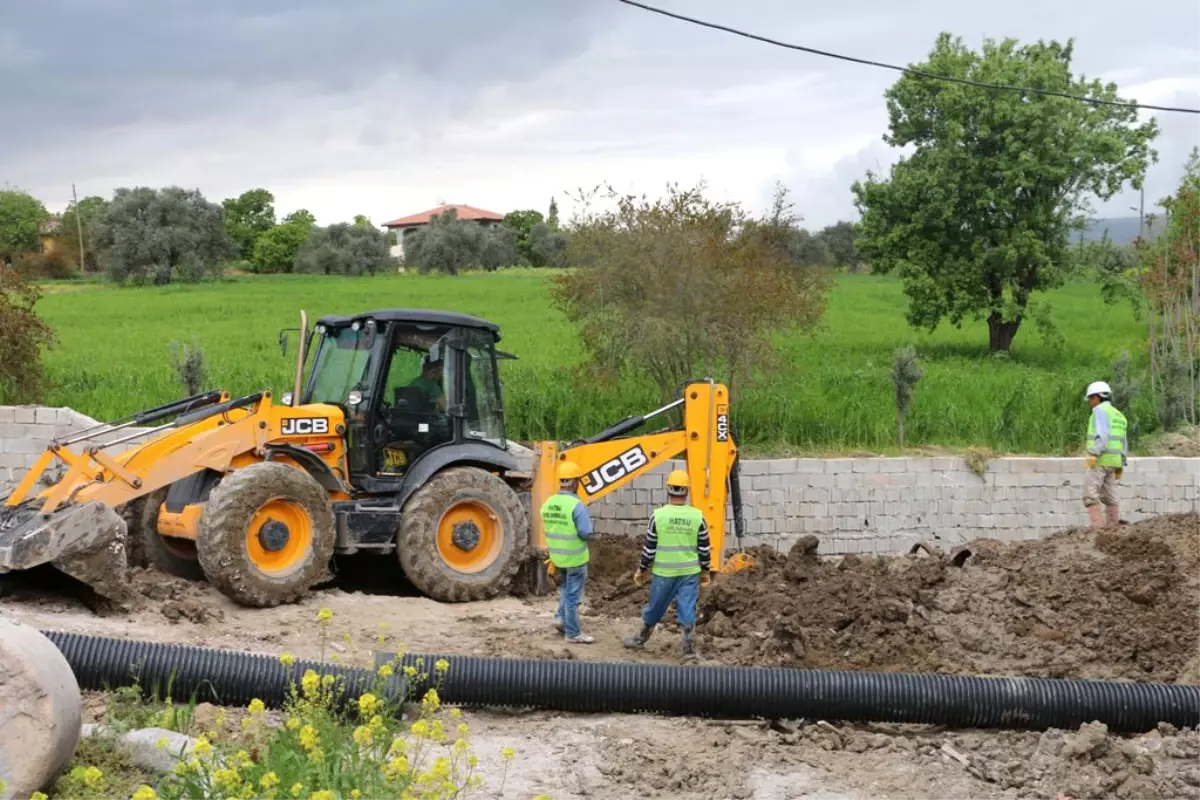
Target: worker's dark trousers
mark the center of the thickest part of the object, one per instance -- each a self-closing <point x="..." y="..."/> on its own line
<point x="684" y="590"/>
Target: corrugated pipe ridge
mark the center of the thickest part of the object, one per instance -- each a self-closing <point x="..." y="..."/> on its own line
<point x="234" y="678"/>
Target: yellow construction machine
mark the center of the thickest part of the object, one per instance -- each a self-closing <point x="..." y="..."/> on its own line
<point x="394" y="443"/>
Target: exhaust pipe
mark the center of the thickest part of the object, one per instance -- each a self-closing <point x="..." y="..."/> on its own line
<point x="233" y="678"/>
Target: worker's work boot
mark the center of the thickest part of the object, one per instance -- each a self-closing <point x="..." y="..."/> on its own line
<point x="1114" y="515"/>
<point x="640" y="638"/>
<point x="688" y="649"/>
<point x="1096" y="516"/>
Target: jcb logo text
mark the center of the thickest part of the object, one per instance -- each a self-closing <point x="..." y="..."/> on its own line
<point x="304" y="426"/>
<point x="614" y="470"/>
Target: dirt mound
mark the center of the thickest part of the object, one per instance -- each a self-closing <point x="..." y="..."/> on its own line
<point x="1076" y="604"/>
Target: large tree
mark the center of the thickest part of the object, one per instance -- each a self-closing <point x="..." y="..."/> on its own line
<point x="839" y="243"/>
<point x="161" y="235"/>
<point x="276" y="250"/>
<point x="977" y="219"/>
<point x="451" y="245"/>
<point x="685" y="286"/>
<point x="344" y="249"/>
<point x="21" y="218"/>
<point x="522" y="223"/>
<point x="247" y="217"/>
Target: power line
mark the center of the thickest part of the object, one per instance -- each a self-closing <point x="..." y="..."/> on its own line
<point x="908" y="70"/>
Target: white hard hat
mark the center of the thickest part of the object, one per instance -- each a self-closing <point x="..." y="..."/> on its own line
<point x="1098" y="387"/>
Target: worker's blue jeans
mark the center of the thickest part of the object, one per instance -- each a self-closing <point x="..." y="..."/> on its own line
<point x="570" y="595"/>
<point x="684" y="590"/>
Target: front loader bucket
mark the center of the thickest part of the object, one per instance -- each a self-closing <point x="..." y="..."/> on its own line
<point x="86" y="542"/>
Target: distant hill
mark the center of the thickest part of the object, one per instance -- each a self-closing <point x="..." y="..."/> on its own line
<point x="1121" y="230"/>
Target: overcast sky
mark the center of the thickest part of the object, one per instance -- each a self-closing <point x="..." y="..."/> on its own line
<point x="388" y="107"/>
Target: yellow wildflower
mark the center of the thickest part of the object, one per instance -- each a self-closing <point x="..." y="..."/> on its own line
<point x="242" y="759"/>
<point x="474" y="782"/>
<point x="399" y="746"/>
<point x="297" y="788"/>
<point x="161" y="744"/>
<point x="542" y="797"/>
<point x="462" y="729"/>
<point x="317" y="756"/>
<point x="219" y="720"/>
<point x="256" y="706"/>
<point x="441" y="665"/>
<point x="269" y="781"/>
<point x="368" y="704"/>
<point x="376" y="723"/>
<point x="438" y="731"/>
<point x="93" y="778"/>
<point x="508" y="753"/>
<point x="460" y="746"/>
<point x="420" y="728"/>
<point x="226" y="778"/>
<point x="144" y="792"/>
<point x="247" y="723"/>
<point x="472" y="760"/>
<point x="202" y="747"/>
<point x="292" y="723"/>
<point x="362" y="735"/>
<point x="410" y="671"/>
<point x="324" y="794"/>
<point x="327" y="681"/>
<point x="396" y="768"/>
<point x="355" y="794"/>
<point x="212" y="735"/>
<point x="308" y="737"/>
<point x="441" y="767"/>
<point x="36" y="796"/>
<point x="386" y="671"/>
<point x="324" y="615"/>
<point x="310" y="682"/>
<point x="455" y="713"/>
<point x="431" y="699"/>
<point x="287" y="659"/>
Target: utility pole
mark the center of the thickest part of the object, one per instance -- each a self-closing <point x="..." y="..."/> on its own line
<point x="79" y="227"/>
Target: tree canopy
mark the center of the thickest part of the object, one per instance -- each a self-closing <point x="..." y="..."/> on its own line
<point x="247" y="217"/>
<point x="522" y="223"/>
<point x="161" y="235"/>
<point x="448" y="244"/>
<point x="977" y="219"/>
<point x="685" y="286"/>
<point x="21" y="218"/>
<point x="276" y="250"/>
<point x="344" y="249"/>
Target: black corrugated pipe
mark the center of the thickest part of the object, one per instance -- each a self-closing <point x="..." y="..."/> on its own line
<point x="729" y="692"/>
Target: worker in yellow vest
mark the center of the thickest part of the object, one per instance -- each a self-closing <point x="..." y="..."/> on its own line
<point x="568" y="526"/>
<point x="677" y="548"/>
<point x="1107" y="454"/>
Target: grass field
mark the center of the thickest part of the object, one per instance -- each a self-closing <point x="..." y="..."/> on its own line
<point x="831" y="393"/>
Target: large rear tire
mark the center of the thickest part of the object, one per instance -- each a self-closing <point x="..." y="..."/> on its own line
<point x="462" y="535"/>
<point x="266" y="535"/>
<point x="172" y="555"/>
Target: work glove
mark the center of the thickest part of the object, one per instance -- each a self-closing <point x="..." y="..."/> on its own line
<point x="1119" y="471"/>
<point x="550" y="568"/>
<point x="706" y="578"/>
<point x="639" y="577"/>
<point x="1091" y="461"/>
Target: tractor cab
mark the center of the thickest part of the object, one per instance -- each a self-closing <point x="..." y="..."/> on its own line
<point x="410" y="382"/>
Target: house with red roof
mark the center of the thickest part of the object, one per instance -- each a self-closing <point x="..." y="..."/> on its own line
<point x="404" y="226"/>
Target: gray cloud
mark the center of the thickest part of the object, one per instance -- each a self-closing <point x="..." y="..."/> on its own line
<point x="383" y="106"/>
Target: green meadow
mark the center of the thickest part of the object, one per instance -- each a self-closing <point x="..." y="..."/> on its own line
<point x="831" y="391"/>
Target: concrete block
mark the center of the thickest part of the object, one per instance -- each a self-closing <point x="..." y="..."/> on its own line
<point x="760" y="482"/>
<point x="839" y="466"/>
<point x="1180" y="478"/>
<point x="846" y="481"/>
<point x="753" y="468"/>
<point x="29" y="446"/>
<point x="7" y="414"/>
<point x="781" y="466"/>
<point x="946" y="464"/>
<point x="26" y="415"/>
<point x="894" y="464"/>
<point x="866" y="465"/>
<point x="45" y="416"/>
<point x="877" y="480"/>
<point x="810" y="466"/>
<point x="921" y="465"/>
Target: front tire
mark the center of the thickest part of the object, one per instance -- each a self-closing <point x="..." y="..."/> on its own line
<point x="462" y="535"/>
<point x="266" y="535"/>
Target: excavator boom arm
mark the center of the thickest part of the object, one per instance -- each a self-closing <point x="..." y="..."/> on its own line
<point x="610" y="461"/>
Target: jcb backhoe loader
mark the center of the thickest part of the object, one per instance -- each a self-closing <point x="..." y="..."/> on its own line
<point x="394" y="444"/>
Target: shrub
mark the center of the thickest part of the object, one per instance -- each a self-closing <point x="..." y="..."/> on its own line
<point x="22" y="337"/>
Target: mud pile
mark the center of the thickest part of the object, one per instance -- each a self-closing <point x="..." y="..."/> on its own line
<point x="1076" y="604"/>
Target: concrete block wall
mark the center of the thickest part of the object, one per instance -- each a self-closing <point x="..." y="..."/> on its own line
<point x="854" y="505"/>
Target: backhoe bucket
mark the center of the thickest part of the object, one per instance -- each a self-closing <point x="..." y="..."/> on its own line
<point x="86" y="542"/>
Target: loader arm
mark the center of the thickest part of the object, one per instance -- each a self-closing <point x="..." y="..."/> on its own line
<point x="611" y="459"/>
